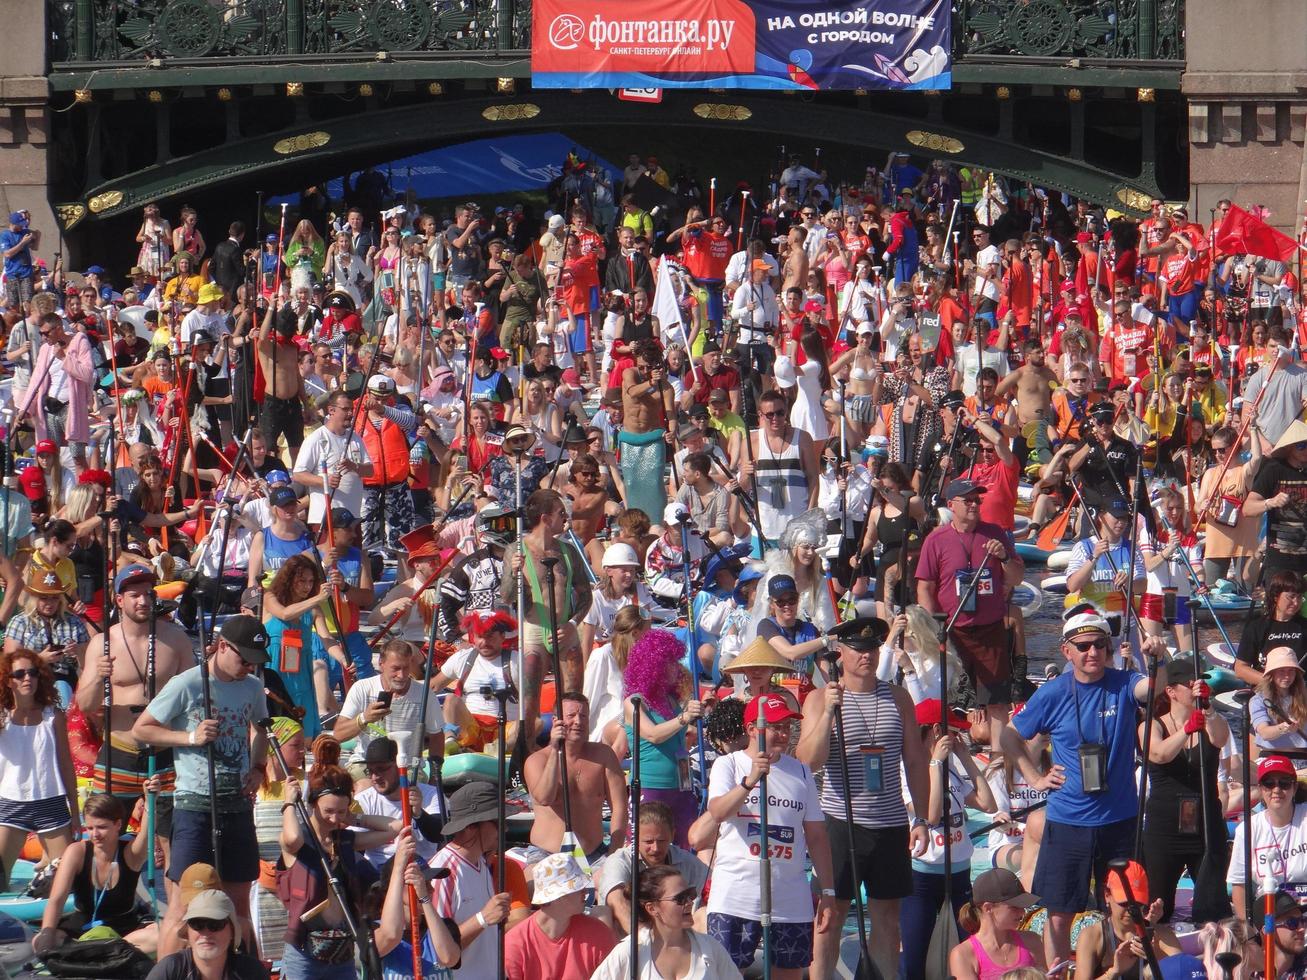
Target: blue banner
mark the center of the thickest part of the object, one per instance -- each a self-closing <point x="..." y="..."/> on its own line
<point x="747" y="44"/>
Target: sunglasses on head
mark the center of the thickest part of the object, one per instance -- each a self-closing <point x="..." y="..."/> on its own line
<point x="1088" y="645"/>
<point x="24" y="673"/>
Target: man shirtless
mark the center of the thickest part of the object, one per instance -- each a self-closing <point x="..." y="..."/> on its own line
<point x="646" y="407"/>
<point x="546" y="519"/>
<point x="126" y="664"/>
<point x="283" y="409"/>
<point x="795" y="271"/>
<point x="593" y="774"/>
<point x="1033" y="382"/>
<point x="590" y="501"/>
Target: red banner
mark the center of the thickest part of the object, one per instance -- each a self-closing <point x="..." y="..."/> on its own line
<point x="573" y="36"/>
<point x="1243" y="234"/>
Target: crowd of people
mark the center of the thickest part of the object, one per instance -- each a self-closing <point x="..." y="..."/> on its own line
<point x="686" y="534"/>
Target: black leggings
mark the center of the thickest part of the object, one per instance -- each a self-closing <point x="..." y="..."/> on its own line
<point x="1164" y="862"/>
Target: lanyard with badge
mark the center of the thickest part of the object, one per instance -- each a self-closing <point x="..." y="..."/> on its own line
<point x="962" y="579"/>
<point x="1093" y="755"/>
<point x="871" y="754"/>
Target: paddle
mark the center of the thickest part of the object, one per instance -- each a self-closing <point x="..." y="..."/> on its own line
<point x="1243" y="697"/>
<point x="945" y="934"/>
<point x="1210" y="903"/>
<point x="764" y="864"/>
<point x="1137" y="913"/>
<point x="1052" y="533"/>
<point x="571" y="844"/>
<point x="1018" y="815"/>
<point x="633" y="926"/>
<point x="1227" y="962"/>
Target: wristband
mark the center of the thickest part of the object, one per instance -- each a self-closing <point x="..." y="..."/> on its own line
<point x="828" y="893"/>
<point x="426" y="900"/>
<point x="481" y="921"/>
<point x="190" y="737"/>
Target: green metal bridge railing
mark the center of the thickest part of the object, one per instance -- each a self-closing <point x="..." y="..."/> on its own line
<point x="127" y="33"/>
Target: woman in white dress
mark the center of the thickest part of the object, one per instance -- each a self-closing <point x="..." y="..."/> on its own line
<point x="813" y="377"/>
<point x="347" y="271"/>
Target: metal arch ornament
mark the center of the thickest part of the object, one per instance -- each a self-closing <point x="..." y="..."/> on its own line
<point x="70" y="215"/>
<point x="105" y="201"/>
<point x="723" y="113"/>
<point x="934" y="142"/>
<point x="300" y="144"/>
<point x="399" y="25"/>
<point x="188" y="28"/>
<point x="1039" y="27"/>
<point x="511" y="112"/>
<point x="1134" y="199"/>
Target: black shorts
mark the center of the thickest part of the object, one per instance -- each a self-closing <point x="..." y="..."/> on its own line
<point x="281" y="416"/>
<point x="192" y="841"/>
<point x="884" y="863"/>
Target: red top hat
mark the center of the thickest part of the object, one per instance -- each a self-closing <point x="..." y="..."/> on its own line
<point x="420" y="543"/>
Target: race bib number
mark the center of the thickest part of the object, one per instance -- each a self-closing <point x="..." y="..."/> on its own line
<point x="956" y="827"/>
<point x="780" y="841"/>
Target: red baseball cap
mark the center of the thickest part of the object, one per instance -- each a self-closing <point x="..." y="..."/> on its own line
<point x="1084" y="238"/>
<point x="1270" y="764"/>
<point x="930" y="711"/>
<point x="101" y="477"/>
<point x="774" y="709"/>
<point x="46" y="446"/>
<point x="33" y="483"/>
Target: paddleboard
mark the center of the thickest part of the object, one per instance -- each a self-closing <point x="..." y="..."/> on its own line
<point x="1220" y="654"/>
<point x="1054" y="584"/>
<point x="1028" y="598"/>
<point x="1059" y="560"/>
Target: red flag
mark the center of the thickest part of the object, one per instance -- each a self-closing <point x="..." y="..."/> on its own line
<point x="1242" y="234"/>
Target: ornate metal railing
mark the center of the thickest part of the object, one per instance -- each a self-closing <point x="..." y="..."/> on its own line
<point x="127" y="31"/>
<point x="139" y="30"/>
<point x="1115" y="30"/>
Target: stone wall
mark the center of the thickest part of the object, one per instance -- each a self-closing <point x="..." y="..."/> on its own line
<point x="1246" y="82"/>
<point x="25" y="118"/>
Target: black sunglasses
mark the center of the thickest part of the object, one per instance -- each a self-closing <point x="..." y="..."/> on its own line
<point x="685" y="897"/>
<point x="774" y="415"/>
<point x="1285" y="783"/>
<point x="1091" y="645"/>
<point x="24" y="673"/>
<point x="208" y="925"/>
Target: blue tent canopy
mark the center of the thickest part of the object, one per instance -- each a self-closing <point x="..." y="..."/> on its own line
<point x="487" y="166"/>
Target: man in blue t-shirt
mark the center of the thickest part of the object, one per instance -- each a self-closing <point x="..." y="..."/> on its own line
<point x="17" y="242"/>
<point x="1089" y="716"/>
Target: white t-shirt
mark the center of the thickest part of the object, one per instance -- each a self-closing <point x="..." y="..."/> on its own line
<point x="1170" y="574"/>
<point x="484" y="673"/>
<point x="960" y="846"/>
<point x="792" y="799"/>
<point x="404" y="712"/>
<point x="965" y="358"/>
<point x="1282" y="852"/>
<point x="603" y="610"/>
<point x="985" y="258"/>
<point x="324" y="445"/>
<point x="460" y="897"/>
<point x="373" y="804"/>
<point x="1022" y="797"/>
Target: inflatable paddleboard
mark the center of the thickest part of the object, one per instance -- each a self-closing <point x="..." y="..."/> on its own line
<point x="1059" y="560"/>
<point x="1054" y="584"/>
<point x="1028" y="598"/>
<point x="1220" y="654"/>
<point x="467" y="767"/>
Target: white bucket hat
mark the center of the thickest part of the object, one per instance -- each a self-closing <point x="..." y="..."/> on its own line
<point x="558" y="876"/>
<point x="619" y="555"/>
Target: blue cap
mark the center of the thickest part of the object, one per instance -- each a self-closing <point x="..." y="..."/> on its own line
<point x="1182" y="966"/>
<point x="133" y="573"/>
<point x="751" y="573"/>
<point x="277" y="476"/>
<point x="343" y="517"/>
<point x="281" y="496"/>
<point x="94" y="270"/>
<point x="269" y="239"/>
<point x="780" y="585"/>
<point x="16" y="218"/>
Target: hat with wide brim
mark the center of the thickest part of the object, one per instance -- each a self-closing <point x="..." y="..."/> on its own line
<point x="1296" y="433"/>
<point x="759" y="653"/>
<point x="473" y="803"/>
<point x="210" y="292"/>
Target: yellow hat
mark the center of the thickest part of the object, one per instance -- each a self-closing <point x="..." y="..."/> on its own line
<point x="759" y="653"/>
<point x="210" y="292"/>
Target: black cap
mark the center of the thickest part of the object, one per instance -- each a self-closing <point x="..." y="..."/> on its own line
<point x="343" y="517"/>
<point x="1104" y="411"/>
<point x="248" y="636"/>
<point x="961" y="488"/>
<point x="863" y="633"/>
<point x="779" y="585"/>
<point x="1180" y="671"/>
<point x="698" y="411"/>
<point x="201" y="337"/>
<point x="1118" y="507"/>
<point x="954" y="400"/>
<point x="712" y="347"/>
<point x="381" y="750"/>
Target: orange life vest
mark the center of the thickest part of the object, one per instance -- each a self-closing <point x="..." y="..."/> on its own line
<point x="388" y="450"/>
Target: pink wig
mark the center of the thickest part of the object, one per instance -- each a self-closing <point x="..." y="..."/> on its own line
<point x="649" y="670"/>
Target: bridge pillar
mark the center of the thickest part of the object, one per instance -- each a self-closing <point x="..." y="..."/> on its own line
<point x="25" y="118"/>
<point x="1246" y="83"/>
